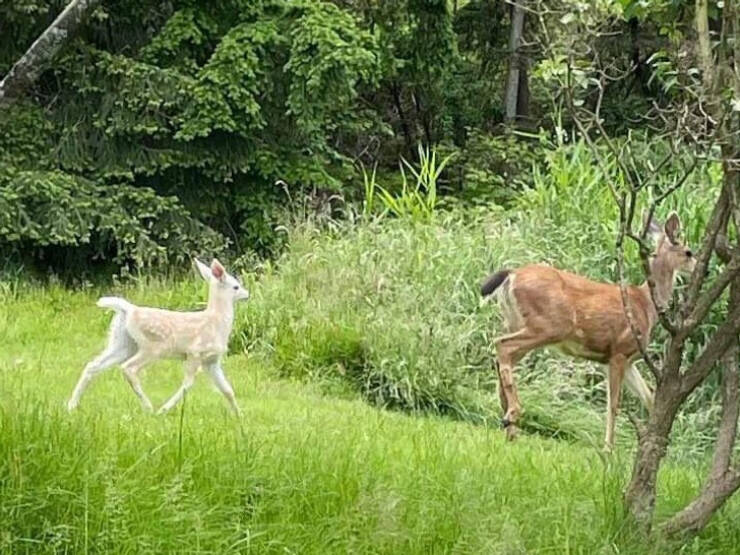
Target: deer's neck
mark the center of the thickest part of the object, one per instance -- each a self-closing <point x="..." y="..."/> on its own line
<point x="222" y="312"/>
<point x="663" y="276"/>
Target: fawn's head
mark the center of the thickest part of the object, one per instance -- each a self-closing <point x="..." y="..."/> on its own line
<point x="222" y="284"/>
<point x="671" y="251"/>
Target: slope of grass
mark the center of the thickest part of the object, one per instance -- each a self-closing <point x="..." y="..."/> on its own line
<point x="300" y="472"/>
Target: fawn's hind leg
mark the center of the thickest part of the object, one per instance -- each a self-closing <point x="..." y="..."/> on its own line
<point x="130" y="369"/>
<point x="120" y="347"/>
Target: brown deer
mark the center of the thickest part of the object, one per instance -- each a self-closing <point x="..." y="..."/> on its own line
<point x="544" y="306"/>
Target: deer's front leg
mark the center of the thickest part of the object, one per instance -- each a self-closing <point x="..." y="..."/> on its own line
<point x="617" y="366"/>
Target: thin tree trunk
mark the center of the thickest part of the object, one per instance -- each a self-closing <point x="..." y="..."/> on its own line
<point x="26" y="71"/>
<point x="402" y="117"/>
<point x="522" y="101"/>
<point x="512" y="84"/>
<point x="701" y="15"/>
<point x="639" y="498"/>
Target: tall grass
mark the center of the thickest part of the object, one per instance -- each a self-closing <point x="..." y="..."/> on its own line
<point x="391" y="309"/>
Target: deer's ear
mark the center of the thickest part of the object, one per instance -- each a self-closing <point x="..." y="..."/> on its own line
<point x="205" y="271"/>
<point x="217" y="269"/>
<point x="672" y="227"/>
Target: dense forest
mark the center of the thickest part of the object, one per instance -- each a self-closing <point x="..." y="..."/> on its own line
<point x="364" y="164"/>
<point x="163" y="129"/>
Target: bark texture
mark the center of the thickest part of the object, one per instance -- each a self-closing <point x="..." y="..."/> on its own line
<point x="512" y="83"/>
<point x="29" y="67"/>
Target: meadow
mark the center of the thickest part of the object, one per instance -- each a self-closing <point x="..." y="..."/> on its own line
<point x="302" y="471"/>
<point x="362" y="364"/>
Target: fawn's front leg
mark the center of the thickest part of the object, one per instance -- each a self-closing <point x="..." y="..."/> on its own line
<point x="219" y="378"/>
<point x="191" y="369"/>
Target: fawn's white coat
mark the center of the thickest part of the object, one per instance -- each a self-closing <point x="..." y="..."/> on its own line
<point x="141" y="335"/>
<point x="545" y="306"/>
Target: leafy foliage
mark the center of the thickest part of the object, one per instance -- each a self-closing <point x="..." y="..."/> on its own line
<point x="212" y="108"/>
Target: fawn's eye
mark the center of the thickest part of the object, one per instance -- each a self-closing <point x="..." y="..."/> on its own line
<point x="236" y="287"/>
<point x="689" y="254"/>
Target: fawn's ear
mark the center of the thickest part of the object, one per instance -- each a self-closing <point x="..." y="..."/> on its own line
<point x="673" y="227"/>
<point x="217" y="269"/>
<point x="204" y="270"/>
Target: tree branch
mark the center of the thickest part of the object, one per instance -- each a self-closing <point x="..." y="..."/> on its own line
<point x="717" y="221"/>
<point x="717" y="346"/>
<point x="705" y="302"/>
<point x="29" y="67"/>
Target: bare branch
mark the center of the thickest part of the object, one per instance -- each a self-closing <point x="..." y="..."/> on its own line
<point x="717" y="221"/>
<point x="705" y="302"/>
<point x="696" y="514"/>
<point x="716" y="348"/>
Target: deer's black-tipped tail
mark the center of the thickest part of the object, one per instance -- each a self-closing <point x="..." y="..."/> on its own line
<point x="493" y="282"/>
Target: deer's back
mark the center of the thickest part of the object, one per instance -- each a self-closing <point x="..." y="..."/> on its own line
<point x="171" y="332"/>
<point x="585" y="317"/>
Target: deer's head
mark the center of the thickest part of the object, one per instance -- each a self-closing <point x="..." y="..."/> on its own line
<point x="671" y="250"/>
<point x="222" y="284"/>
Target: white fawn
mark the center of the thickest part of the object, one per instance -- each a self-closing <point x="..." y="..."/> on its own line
<point x="544" y="306"/>
<point x="140" y="335"/>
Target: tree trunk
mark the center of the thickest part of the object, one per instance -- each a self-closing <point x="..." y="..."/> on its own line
<point x="27" y="70"/>
<point x="723" y="480"/>
<point x="701" y="15"/>
<point x="512" y="84"/>
<point x="395" y="90"/>
<point x="522" y="101"/>
<point x="696" y="515"/>
<point x="639" y="500"/>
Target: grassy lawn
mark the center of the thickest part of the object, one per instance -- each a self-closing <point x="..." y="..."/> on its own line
<point x="299" y="472"/>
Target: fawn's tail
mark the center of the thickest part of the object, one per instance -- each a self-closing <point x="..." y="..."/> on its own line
<point x="116" y="303"/>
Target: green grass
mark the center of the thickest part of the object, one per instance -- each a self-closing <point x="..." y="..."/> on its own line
<point x="300" y="472"/>
<point x="363" y="367"/>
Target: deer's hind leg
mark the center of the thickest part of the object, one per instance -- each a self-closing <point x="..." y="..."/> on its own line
<point x="120" y="348"/>
<point x="617" y="367"/>
<point x="510" y="349"/>
<point x="637" y="385"/>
